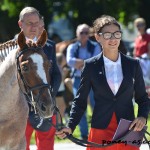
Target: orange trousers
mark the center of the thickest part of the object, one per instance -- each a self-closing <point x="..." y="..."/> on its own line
<point x="44" y="140"/>
<point x="98" y="135"/>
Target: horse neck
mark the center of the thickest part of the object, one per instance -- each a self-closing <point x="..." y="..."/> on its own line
<point x="8" y="71"/>
<point x="10" y="95"/>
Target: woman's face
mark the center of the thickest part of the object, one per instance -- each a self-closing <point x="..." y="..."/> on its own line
<point x="140" y="27"/>
<point x="109" y="37"/>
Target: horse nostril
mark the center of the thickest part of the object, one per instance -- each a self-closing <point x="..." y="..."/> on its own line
<point x="43" y="107"/>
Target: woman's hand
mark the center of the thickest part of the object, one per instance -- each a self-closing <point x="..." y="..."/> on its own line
<point x="139" y="123"/>
<point x="63" y="132"/>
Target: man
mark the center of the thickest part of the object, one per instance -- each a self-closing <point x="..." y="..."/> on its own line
<point x="76" y="54"/>
<point x="30" y="22"/>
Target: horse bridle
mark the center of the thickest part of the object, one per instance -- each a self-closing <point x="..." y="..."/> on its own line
<point x="29" y="90"/>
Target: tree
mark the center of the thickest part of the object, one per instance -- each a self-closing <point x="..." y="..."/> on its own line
<point x="143" y="9"/>
<point x="77" y="11"/>
<point x="9" y="12"/>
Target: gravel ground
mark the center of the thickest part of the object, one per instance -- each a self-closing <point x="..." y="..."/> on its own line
<point x="72" y="146"/>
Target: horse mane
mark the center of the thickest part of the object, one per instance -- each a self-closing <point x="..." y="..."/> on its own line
<point x="6" y="47"/>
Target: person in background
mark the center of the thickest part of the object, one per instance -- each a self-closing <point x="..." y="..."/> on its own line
<point x="142" y="49"/>
<point x="142" y="41"/>
<point x="32" y="24"/>
<point x="77" y="52"/>
<point x="60" y="101"/>
<point x="110" y="74"/>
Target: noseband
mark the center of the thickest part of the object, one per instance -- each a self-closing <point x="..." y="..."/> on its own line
<point x="29" y="90"/>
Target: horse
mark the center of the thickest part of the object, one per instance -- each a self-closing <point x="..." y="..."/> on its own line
<point x="24" y="74"/>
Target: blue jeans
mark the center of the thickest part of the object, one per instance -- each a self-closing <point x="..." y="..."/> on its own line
<point x="83" y="125"/>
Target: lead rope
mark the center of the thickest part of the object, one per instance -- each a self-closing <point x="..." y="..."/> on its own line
<point x="86" y="143"/>
<point x="33" y="103"/>
<point x="57" y="125"/>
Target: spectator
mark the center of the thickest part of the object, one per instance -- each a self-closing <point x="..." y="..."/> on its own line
<point x="77" y="52"/>
<point x="142" y="42"/>
<point x="31" y="23"/>
<point x="60" y="101"/>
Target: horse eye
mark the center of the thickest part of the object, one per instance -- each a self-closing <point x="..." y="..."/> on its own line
<point x="24" y="68"/>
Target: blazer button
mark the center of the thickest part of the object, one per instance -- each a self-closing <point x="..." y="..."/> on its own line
<point x="114" y="99"/>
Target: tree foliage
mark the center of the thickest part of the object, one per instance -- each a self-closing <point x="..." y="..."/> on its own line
<point x="77" y="11"/>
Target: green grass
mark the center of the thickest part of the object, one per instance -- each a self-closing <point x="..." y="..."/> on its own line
<point x="148" y="121"/>
<point x="77" y="132"/>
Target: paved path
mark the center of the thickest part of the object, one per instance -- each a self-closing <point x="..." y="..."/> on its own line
<point x="71" y="146"/>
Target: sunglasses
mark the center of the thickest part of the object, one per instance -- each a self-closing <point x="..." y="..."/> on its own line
<point x="140" y="25"/>
<point x="108" y="35"/>
<point x="84" y="32"/>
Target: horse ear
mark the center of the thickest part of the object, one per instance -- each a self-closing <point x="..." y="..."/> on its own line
<point x="42" y="39"/>
<point x="21" y="40"/>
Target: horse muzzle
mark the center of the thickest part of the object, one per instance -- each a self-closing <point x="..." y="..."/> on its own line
<point x="46" y="106"/>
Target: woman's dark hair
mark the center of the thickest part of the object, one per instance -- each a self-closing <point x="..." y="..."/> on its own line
<point x="102" y="21"/>
<point x="122" y="48"/>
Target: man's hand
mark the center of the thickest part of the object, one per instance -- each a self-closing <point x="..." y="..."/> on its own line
<point x="63" y="132"/>
<point x="139" y="123"/>
<point x="79" y="64"/>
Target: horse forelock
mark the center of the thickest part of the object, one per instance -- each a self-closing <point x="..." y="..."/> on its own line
<point x="30" y="43"/>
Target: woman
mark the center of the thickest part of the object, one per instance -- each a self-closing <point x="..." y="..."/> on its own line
<point x="114" y="78"/>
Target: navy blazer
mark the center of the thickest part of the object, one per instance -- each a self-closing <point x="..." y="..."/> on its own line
<point x="93" y="76"/>
<point x="49" y="50"/>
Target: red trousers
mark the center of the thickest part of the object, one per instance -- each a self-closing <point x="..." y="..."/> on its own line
<point x="44" y="140"/>
<point x="98" y="135"/>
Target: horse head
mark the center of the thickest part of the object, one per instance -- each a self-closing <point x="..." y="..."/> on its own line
<point x="33" y="69"/>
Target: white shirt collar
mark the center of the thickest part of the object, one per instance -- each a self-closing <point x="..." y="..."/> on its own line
<point x="108" y="61"/>
<point x="34" y="39"/>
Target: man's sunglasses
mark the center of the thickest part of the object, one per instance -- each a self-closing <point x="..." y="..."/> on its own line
<point x="84" y="32"/>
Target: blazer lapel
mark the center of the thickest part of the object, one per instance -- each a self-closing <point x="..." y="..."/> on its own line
<point x="102" y="75"/>
<point x="126" y="74"/>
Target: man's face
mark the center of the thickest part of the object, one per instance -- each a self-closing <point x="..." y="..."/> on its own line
<point x="83" y="34"/>
<point x="30" y="25"/>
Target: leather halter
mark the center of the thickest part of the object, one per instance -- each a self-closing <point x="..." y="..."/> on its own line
<point x="28" y="89"/>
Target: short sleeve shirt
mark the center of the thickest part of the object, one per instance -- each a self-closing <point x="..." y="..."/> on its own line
<point x="141" y="44"/>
